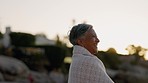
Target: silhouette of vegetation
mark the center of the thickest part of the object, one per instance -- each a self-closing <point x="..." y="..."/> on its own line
<point x="110" y="58"/>
<point x="1" y="35"/>
<point x="137" y="51"/>
<point x="1" y="46"/>
<point x="22" y="39"/>
<point x="58" y="41"/>
<point x="55" y="56"/>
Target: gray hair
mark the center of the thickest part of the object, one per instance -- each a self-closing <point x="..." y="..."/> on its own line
<point x="77" y="31"/>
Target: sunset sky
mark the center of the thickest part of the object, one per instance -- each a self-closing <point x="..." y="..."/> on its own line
<point x="118" y="23"/>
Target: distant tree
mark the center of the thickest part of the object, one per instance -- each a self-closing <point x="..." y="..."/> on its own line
<point x="1" y="46"/>
<point x="74" y="21"/>
<point x="137" y="51"/>
<point x="22" y="39"/>
<point x="111" y="51"/>
<point x="55" y="55"/>
<point x="110" y="58"/>
<point x="1" y="35"/>
<point x="58" y="41"/>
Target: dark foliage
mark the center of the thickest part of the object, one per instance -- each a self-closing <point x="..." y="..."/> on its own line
<point x="22" y="39"/>
<point x="110" y="60"/>
<point x="55" y="55"/>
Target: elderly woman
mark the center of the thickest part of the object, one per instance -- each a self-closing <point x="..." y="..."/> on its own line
<point x="85" y="66"/>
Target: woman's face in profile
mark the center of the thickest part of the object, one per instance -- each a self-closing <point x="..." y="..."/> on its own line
<point x="91" y="41"/>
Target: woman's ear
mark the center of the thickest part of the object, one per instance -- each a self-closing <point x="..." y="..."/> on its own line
<point x="79" y="42"/>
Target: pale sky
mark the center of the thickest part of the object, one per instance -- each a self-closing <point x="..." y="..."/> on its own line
<point x="118" y="23"/>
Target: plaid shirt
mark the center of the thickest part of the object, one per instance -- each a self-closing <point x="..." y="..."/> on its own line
<point x="86" y="68"/>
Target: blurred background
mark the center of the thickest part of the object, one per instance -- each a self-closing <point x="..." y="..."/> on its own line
<point x="34" y="46"/>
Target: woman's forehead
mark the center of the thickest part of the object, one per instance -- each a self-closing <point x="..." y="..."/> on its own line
<point x="91" y="32"/>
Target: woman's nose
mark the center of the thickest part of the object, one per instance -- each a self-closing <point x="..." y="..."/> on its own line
<point x="97" y="40"/>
